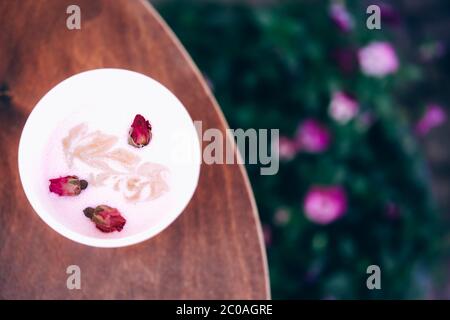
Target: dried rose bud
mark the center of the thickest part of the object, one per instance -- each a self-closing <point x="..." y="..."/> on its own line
<point x="140" y="132"/>
<point x="106" y="219"/>
<point x="67" y="186"/>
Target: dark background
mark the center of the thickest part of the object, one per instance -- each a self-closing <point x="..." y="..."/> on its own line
<point x="274" y="64"/>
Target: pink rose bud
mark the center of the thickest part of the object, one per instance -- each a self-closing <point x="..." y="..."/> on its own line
<point x="378" y="59"/>
<point x="140" y="132"/>
<point x="433" y="117"/>
<point x="343" y="107"/>
<point x="287" y="148"/>
<point x="312" y="137"/>
<point x="67" y="186"/>
<point x="341" y="17"/>
<point x="325" y="204"/>
<point x="106" y="219"/>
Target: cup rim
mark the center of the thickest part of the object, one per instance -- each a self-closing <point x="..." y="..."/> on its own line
<point x="65" y="231"/>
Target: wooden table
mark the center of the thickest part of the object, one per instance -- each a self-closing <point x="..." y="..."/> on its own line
<point x="214" y="250"/>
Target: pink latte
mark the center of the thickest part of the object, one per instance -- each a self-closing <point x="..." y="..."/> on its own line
<point x="118" y="175"/>
<point x="87" y="128"/>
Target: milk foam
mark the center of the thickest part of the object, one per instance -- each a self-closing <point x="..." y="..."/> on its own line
<point x="111" y="185"/>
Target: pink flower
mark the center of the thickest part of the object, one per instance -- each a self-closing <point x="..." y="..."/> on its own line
<point x="287" y="148"/>
<point x="67" y="186"/>
<point x="325" y="204"/>
<point x="140" y="132"/>
<point x="378" y="59"/>
<point x="341" y="17"/>
<point x="312" y="136"/>
<point x="433" y="117"/>
<point x="343" y="107"/>
<point x="106" y="219"/>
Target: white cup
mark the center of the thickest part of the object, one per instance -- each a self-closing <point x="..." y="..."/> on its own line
<point x="108" y="100"/>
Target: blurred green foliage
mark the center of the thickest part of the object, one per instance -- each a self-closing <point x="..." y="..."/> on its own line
<point x="272" y="66"/>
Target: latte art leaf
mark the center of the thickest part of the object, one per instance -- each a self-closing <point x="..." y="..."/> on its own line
<point x="115" y="167"/>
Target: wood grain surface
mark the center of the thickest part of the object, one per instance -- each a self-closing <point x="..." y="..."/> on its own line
<point x="214" y="250"/>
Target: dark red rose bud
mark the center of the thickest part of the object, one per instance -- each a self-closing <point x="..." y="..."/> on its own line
<point x="89" y="212"/>
<point x="106" y="219"/>
<point x="67" y="186"/>
<point x="140" y="132"/>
